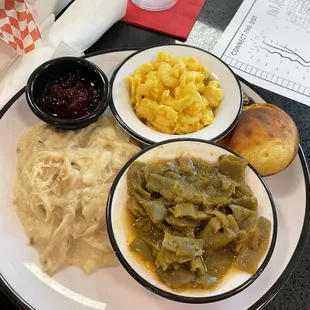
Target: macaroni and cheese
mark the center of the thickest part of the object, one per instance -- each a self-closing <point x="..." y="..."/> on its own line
<point x="174" y="95"/>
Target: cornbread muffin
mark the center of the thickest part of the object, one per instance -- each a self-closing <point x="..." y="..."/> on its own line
<point x="266" y="136"/>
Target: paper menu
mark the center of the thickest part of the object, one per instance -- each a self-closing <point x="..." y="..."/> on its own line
<point x="268" y="44"/>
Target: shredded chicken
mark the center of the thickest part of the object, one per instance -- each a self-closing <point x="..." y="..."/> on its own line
<point x="62" y="184"/>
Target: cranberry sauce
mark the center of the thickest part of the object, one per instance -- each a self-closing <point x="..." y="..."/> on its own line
<point x="69" y="97"/>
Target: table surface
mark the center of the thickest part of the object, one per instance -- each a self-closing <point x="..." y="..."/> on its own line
<point x="213" y="19"/>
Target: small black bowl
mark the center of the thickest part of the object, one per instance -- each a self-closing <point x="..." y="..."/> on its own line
<point x="54" y="69"/>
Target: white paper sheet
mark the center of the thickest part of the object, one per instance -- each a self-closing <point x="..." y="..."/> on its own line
<point x="268" y="44"/>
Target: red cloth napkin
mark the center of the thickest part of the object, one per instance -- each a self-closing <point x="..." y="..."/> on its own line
<point x="177" y="21"/>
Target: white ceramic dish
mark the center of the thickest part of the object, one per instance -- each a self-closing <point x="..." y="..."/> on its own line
<point x="226" y="115"/>
<point x="117" y="222"/>
<point x="23" y="281"/>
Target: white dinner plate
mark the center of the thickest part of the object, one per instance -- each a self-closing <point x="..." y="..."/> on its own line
<point x="112" y="288"/>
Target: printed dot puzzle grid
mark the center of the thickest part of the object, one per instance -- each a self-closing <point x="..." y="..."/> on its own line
<point x="298" y="12"/>
<point x="272" y="43"/>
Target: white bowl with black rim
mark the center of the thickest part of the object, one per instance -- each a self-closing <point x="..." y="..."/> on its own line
<point x="119" y="229"/>
<point x="226" y="115"/>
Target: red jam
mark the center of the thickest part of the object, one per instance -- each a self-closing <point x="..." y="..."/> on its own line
<point x="69" y="97"/>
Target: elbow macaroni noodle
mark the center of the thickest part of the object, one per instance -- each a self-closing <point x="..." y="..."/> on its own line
<point x="174" y="95"/>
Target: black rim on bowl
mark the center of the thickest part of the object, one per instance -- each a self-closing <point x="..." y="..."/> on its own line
<point x="73" y="63"/>
<point x="147" y="141"/>
<point x="153" y="288"/>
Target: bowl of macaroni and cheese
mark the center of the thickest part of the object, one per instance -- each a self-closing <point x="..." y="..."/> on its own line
<point x="175" y="91"/>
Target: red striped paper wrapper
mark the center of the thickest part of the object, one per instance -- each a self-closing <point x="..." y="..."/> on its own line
<point x="18" y="27"/>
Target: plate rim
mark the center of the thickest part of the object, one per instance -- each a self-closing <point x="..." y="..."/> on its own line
<point x="146" y="140"/>
<point x="290" y="267"/>
<point x="287" y="272"/>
